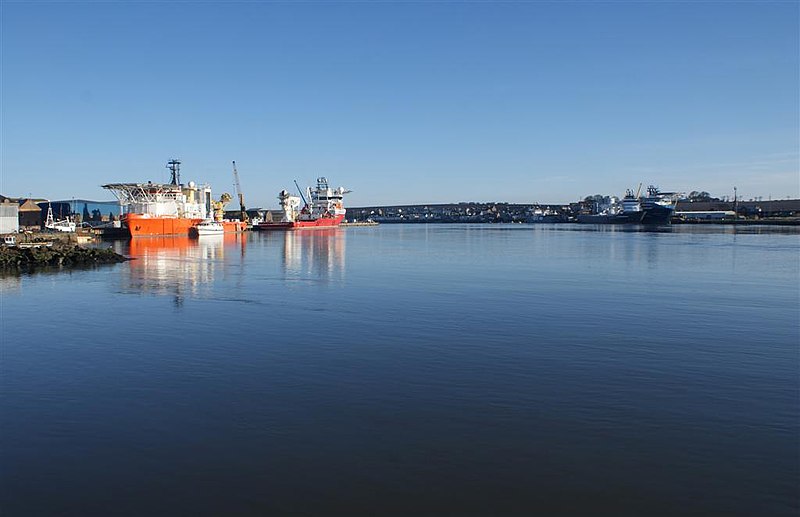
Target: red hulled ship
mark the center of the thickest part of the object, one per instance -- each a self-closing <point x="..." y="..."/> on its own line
<point x="322" y="208"/>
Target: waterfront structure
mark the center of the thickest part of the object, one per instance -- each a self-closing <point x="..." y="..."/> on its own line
<point x="9" y="217"/>
<point x="761" y="209"/>
<point x="85" y="211"/>
<point x="30" y="215"/>
<point x="465" y="212"/>
<point x="706" y="215"/>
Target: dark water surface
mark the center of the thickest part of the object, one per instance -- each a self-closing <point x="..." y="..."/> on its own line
<point x="409" y="370"/>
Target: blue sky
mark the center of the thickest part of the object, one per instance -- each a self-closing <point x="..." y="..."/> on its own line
<point x="404" y="102"/>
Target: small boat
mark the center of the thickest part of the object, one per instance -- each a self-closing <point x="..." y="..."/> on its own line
<point x="34" y="244"/>
<point x="209" y="227"/>
<point x="545" y="215"/>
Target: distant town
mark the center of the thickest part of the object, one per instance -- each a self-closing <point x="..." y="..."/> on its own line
<point x="698" y="206"/>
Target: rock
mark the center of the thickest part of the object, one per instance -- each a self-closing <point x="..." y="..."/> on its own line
<point x="58" y="256"/>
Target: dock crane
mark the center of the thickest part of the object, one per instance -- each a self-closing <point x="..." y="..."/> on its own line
<point x="243" y="216"/>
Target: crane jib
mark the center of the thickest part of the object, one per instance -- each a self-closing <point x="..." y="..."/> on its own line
<point x="243" y="210"/>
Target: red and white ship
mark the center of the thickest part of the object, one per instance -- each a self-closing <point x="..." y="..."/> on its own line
<point x="323" y="208"/>
<point x="153" y="209"/>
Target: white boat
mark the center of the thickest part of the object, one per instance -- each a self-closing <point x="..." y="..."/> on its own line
<point x="65" y="225"/>
<point x="544" y="215"/>
<point x="209" y="227"/>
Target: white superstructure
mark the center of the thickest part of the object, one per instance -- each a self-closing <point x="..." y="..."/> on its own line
<point x="163" y="199"/>
<point x="290" y="205"/>
<point x="323" y="201"/>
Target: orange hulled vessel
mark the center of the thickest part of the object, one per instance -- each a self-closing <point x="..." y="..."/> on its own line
<point x="156" y="209"/>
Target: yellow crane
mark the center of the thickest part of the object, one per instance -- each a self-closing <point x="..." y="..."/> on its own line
<point x="243" y="216"/>
<point x="219" y="206"/>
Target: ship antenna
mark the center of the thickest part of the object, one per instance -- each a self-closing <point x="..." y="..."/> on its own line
<point x="175" y="169"/>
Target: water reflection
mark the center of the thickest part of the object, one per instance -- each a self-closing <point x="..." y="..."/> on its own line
<point x="315" y="253"/>
<point x="178" y="266"/>
<point x="700" y="229"/>
<point x="617" y="228"/>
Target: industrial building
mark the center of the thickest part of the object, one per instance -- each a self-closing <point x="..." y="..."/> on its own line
<point x="30" y="215"/>
<point x="9" y="216"/>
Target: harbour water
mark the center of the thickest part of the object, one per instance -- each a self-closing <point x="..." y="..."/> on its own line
<point x="409" y="370"/>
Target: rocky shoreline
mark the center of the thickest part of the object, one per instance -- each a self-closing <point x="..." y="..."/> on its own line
<point x="57" y="255"/>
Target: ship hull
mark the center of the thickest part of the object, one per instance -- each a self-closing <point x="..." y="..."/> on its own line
<point x="142" y="226"/>
<point x="205" y="232"/>
<point x="272" y="226"/>
<point x="653" y="216"/>
<point x="322" y="222"/>
<point x="234" y="226"/>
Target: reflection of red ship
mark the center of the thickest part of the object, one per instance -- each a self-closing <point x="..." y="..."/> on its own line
<point x="161" y="246"/>
<point x="179" y="246"/>
<point x="166" y="208"/>
<point x="180" y="265"/>
<point x="168" y="265"/>
<point x="321" y="252"/>
<point x="322" y="209"/>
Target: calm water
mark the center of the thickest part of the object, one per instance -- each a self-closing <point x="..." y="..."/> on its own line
<point x="426" y="370"/>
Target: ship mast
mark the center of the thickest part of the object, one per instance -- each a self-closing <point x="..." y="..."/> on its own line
<point x="175" y="170"/>
<point x="49" y="223"/>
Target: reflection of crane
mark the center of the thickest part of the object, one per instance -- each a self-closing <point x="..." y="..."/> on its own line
<point x="243" y="216"/>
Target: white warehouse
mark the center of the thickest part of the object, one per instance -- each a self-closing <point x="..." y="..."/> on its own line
<point x="9" y="217"/>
